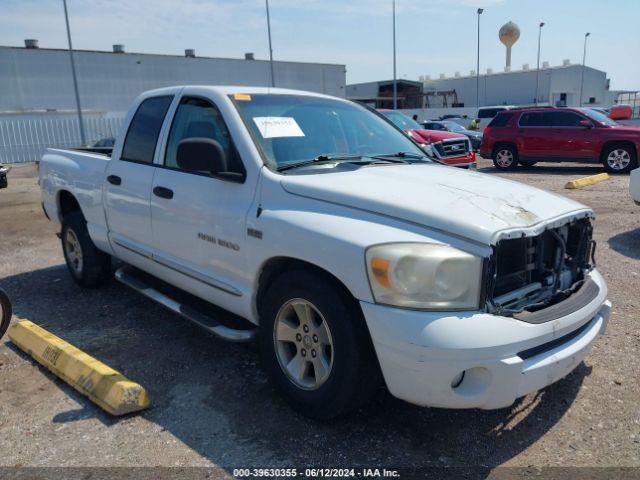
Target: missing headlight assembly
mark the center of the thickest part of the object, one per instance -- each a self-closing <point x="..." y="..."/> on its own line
<point x="530" y="273"/>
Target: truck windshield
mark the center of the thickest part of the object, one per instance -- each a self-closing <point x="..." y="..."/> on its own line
<point x="289" y="129"/>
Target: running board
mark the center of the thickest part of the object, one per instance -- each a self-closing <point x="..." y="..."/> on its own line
<point x="204" y="321"/>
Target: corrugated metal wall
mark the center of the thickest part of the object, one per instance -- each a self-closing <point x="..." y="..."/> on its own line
<point x="24" y="140"/>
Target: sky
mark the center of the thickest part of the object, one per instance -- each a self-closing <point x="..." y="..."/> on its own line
<point x="433" y="36"/>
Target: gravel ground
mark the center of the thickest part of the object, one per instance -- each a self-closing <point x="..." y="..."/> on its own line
<point x="212" y="406"/>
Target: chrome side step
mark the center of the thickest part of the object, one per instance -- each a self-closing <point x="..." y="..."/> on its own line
<point x="204" y="321"/>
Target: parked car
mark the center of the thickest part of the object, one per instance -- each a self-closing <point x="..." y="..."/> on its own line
<point x="350" y="255"/>
<point x="551" y="134"/>
<point x="634" y="185"/>
<point x="474" y="137"/>
<point x="4" y="183"/>
<point x="486" y="114"/>
<point x="450" y="148"/>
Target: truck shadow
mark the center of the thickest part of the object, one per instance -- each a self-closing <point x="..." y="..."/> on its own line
<point x="213" y="396"/>
<point x="626" y="243"/>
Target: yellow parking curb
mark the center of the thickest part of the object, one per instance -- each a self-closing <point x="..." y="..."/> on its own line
<point x="104" y="386"/>
<point x="584" y="181"/>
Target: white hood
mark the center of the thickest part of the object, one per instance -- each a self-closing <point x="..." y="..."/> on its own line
<point x="476" y="206"/>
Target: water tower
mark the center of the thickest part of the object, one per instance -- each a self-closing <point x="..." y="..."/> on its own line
<point x="509" y="34"/>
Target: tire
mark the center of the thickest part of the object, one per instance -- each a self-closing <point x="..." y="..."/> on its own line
<point x="350" y="375"/>
<point x="505" y="157"/>
<point x="5" y="313"/>
<point x="526" y="164"/>
<point x="619" y="158"/>
<point x="88" y="266"/>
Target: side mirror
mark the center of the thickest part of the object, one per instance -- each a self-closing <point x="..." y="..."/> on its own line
<point x="585" y="124"/>
<point x="201" y="155"/>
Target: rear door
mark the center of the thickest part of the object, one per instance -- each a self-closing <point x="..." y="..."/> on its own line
<point x="198" y="220"/>
<point x="129" y="180"/>
<point x="535" y="135"/>
<point x="571" y="140"/>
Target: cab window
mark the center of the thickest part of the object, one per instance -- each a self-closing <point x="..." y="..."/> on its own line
<point x="198" y="118"/>
<point x="142" y="136"/>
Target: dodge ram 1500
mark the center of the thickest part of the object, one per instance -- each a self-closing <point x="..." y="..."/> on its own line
<point x="355" y="260"/>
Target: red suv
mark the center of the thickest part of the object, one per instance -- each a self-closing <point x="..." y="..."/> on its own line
<point x="549" y="134"/>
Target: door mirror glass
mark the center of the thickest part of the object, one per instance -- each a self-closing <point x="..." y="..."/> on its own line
<point x="201" y="155"/>
<point x="585" y="123"/>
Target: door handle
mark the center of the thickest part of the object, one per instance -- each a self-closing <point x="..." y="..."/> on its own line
<point x="114" y="180"/>
<point x="163" y="192"/>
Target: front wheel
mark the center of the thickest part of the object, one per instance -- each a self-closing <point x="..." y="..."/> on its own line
<point x="315" y="346"/>
<point x="619" y="159"/>
<point x="505" y="157"/>
<point x="89" y="267"/>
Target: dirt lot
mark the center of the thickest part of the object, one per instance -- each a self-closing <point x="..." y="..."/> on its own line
<point x="211" y="403"/>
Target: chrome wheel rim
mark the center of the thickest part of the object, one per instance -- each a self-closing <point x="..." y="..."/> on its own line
<point x="73" y="251"/>
<point x="618" y="159"/>
<point x="303" y="344"/>
<point x="504" y="158"/>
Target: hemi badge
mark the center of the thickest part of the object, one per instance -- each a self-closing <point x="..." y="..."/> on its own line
<point x="252" y="232"/>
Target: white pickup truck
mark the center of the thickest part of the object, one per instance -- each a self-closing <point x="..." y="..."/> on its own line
<point x="354" y="259"/>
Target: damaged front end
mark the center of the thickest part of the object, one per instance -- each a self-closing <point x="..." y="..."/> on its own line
<point x="530" y="273"/>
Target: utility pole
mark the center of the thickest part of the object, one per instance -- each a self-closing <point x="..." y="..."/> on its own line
<point x="395" y="83"/>
<point x="273" y="81"/>
<point x="480" y="10"/>
<point x="584" y="58"/>
<point x="538" y="69"/>
<point x="83" y="138"/>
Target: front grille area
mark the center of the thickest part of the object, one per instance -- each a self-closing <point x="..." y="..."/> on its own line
<point x="452" y="148"/>
<point x="531" y="273"/>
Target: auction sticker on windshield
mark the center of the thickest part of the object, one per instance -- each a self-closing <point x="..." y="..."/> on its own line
<point x="274" y="127"/>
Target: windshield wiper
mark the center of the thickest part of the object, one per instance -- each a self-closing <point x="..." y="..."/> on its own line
<point x="400" y="155"/>
<point x="319" y="159"/>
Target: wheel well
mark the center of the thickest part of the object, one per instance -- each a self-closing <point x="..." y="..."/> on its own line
<point x="503" y="144"/>
<point x="621" y="143"/>
<point x="67" y="204"/>
<point x="276" y="266"/>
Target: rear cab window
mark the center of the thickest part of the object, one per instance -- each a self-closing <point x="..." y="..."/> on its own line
<point x="142" y="135"/>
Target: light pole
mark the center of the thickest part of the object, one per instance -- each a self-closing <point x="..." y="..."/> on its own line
<point x="75" y="79"/>
<point x="480" y="10"/>
<point x="584" y="58"/>
<point x="395" y="83"/>
<point x="273" y="81"/>
<point x="538" y="69"/>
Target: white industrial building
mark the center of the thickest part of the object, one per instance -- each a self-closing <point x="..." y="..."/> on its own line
<point x="39" y="79"/>
<point x="558" y="85"/>
<point x="37" y="100"/>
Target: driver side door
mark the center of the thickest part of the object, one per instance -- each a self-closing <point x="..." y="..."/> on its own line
<point x="198" y="219"/>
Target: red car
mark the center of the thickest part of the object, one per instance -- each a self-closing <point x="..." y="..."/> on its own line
<point x="450" y="148"/>
<point x="559" y="134"/>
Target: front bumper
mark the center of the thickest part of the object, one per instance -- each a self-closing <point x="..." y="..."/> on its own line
<point x="422" y="354"/>
<point x="466" y="161"/>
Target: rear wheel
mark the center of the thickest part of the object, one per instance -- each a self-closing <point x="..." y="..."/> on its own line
<point x="314" y="345"/>
<point x="619" y="158"/>
<point x="505" y="157"/>
<point x="89" y="267"/>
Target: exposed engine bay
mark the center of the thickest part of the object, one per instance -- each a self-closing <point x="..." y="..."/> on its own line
<point x="528" y="274"/>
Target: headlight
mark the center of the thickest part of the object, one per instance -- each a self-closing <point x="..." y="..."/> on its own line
<point x="427" y="148"/>
<point x="424" y="276"/>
